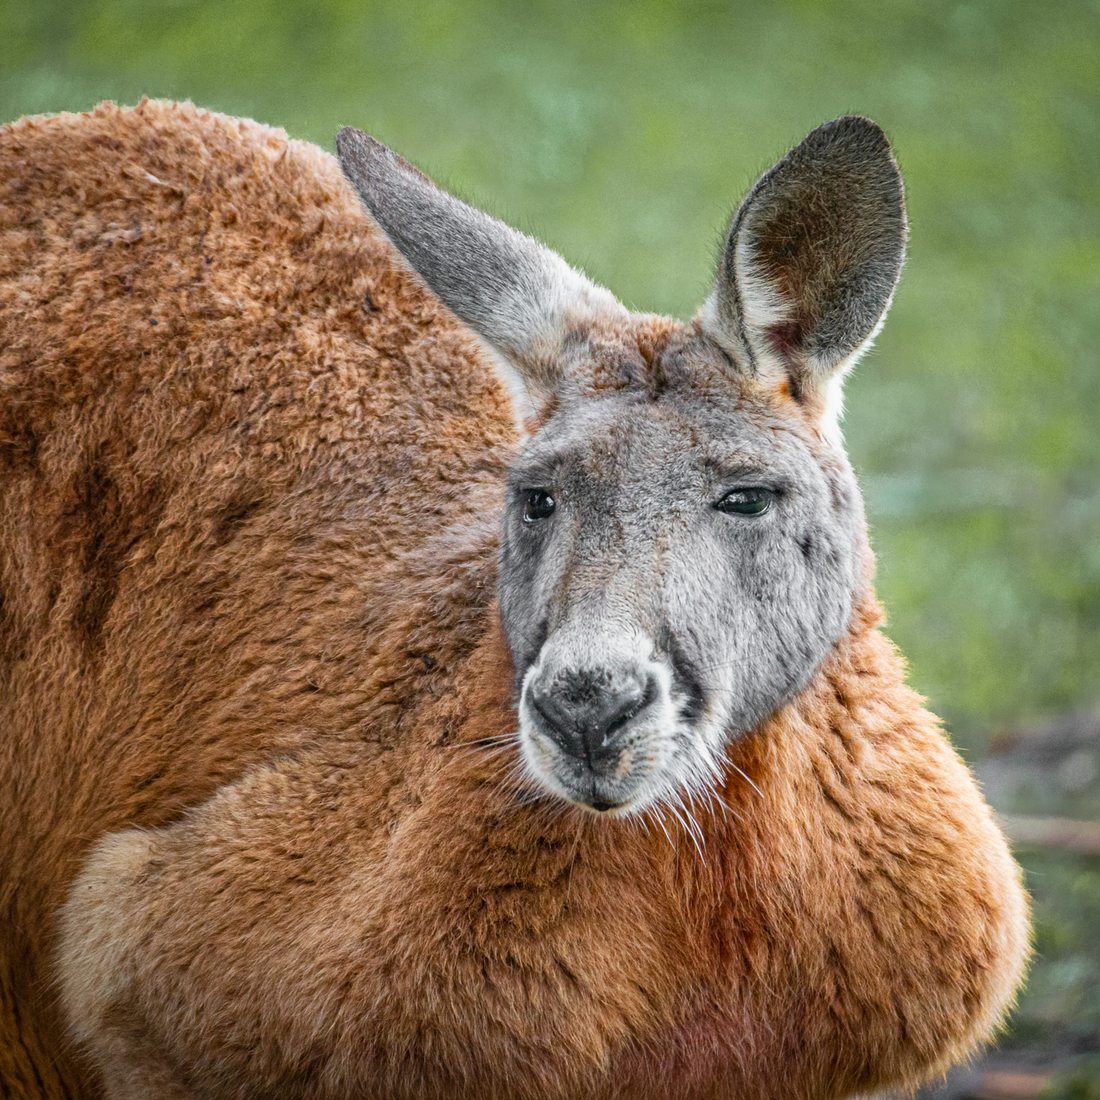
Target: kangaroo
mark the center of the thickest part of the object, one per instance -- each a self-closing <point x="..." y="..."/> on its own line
<point x="423" y="677"/>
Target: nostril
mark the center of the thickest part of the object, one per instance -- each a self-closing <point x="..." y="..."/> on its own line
<point x="627" y="706"/>
<point x="624" y="711"/>
<point x="559" y="719"/>
<point x="546" y="709"/>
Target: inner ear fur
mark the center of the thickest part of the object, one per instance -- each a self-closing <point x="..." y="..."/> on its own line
<point x="812" y="257"/>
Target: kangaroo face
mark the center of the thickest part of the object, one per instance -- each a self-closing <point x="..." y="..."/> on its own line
<point x="683" y="537"/>
<point x="678" y="555"/>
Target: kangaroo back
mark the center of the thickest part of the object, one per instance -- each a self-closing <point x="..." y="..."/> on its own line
<point x="225" y="421"/>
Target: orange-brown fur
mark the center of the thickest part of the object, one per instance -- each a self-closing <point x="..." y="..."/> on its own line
<point x="249" y="474"/>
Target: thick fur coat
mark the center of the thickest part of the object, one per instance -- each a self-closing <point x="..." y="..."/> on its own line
<point x="250" y="480"/>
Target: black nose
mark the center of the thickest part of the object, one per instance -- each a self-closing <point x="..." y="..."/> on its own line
<point x="585" y="712"/>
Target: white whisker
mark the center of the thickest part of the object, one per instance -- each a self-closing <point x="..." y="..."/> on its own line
<point x="746" y="778"/>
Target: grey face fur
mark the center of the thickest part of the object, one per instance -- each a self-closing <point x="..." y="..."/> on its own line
<point x="683" y="539"/>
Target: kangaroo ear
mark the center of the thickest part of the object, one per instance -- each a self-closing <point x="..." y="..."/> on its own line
<point x="517" y="294"/>
<point x="811" y="260"/>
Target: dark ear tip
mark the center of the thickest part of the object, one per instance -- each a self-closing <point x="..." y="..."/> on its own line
<point x="359" y="151"/>
<point x="852" y="130"/>
<point x="352" y="142"/>
<point x="857" y="124"/>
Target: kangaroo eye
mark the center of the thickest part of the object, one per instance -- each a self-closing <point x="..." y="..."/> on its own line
<point x="746" y="502"/>
<point x="539" y="504"/>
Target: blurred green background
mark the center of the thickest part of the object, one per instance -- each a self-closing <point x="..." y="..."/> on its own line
<point x="624" y="133"/>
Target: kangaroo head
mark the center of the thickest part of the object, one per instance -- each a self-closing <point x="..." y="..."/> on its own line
<point x="683" y="539"/>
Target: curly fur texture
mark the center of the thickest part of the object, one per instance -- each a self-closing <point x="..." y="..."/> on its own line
<point x="253" y="843"/>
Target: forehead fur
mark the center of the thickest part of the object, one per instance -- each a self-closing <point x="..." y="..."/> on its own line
<point x="678" y="365"/>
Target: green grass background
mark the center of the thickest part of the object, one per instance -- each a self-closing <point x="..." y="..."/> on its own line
<point x="624" y="133"/>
